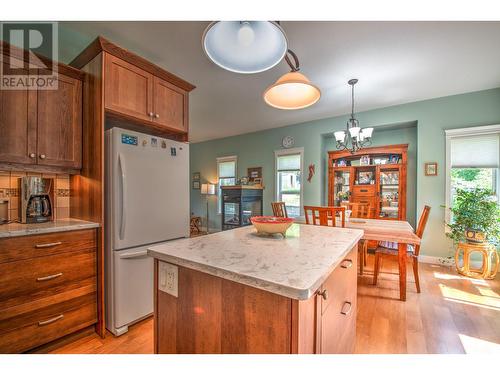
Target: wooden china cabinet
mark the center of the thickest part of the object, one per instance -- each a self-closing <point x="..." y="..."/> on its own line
<point x="374" y="175"/>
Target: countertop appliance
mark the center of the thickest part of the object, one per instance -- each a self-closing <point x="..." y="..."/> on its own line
<point x="147" y="202"/>
<point x="35" y="200"/>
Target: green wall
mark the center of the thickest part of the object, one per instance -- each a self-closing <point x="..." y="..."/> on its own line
<point x="431" y="116"/>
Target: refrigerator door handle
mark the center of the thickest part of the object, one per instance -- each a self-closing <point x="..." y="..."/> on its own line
<point x="123" y="222"/>
<point x="138" y="254"/>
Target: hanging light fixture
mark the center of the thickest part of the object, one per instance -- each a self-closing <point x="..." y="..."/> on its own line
<point x="245" y="46"/>
<point x="354" y="138"/>
<point x="292" y="90"/>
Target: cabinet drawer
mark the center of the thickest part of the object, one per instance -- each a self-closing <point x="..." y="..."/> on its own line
<point x="341" y="280"/>
<point x="37" y="277"/>
<point x="364" y="190"/>
<point x="338" y="311"/>
<point x="47" y="324"/>
<point x="26" y="247"/>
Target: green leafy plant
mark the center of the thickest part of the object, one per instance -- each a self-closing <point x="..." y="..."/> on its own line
<point x="475" y="209"/>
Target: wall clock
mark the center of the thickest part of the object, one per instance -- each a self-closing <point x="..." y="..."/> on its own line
<point x="287" y="141"/>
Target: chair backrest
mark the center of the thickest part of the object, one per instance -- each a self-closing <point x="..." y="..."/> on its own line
<point x="325" y="216"/>
<point x="279" y="209"/>
<point x="359" y="210"/>
<point x="421" y="225"/>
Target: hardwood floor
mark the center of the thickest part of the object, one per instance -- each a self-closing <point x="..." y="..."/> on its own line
<point x="453" y="314"/>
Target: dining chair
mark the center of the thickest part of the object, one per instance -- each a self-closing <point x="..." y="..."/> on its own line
<point x="390" y="249"/>
<point x="279" y="209"/>
<point x="325" y="216"/>
<point x="362" y="211"/>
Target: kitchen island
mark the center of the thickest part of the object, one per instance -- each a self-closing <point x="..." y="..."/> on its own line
<point x="240" y="292"/>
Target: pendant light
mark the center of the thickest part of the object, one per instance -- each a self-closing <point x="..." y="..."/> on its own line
<point x="292" y="90"/>
<point x="354" y="138"/>
<point x="245" y="46"/>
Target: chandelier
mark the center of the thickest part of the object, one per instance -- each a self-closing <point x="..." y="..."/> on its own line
<point x="354" y="138"/>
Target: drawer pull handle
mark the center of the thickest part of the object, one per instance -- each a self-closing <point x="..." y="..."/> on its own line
<point x="43" y="245"/>
<point x="50" y="277"/>
<point x="51" y="320"/>
<point x="346" y="308"/>
<point x="363" y="190"/>
<point x="346" y="263"/>
<point x="323" y="294"/>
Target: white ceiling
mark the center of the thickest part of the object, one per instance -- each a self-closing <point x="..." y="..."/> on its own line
<point x="395" y="62"/>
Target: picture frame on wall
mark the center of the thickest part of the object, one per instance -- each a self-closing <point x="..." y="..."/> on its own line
<point x="431" y="169"/>
<point x="196" y="185"/>
<point x="196" y="176"/>
<point x="253" y="173"/>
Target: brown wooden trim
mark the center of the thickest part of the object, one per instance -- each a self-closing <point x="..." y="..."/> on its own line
<point x="379" y="150"/>
<point x="37" y="168"/>
<point x="10" y="50"/>
<point x="101" y="44"/>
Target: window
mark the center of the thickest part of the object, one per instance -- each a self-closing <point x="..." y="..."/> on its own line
<point x="226" y="175"/>
<point x="289" y="179"/>
<point x="472" y="161"/>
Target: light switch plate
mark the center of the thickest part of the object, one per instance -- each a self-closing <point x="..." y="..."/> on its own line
<point x="168" y="278"/>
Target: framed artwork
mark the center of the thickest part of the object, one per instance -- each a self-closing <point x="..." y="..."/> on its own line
<point x="365" y="177"/>
<point x="257" y="181"/>
<point x="365" y="160"/>
<point x="196" y="176"/>
<point x="393" y="159"/>
<point x="196" y="185"/>
<point x="431" y="169"/>
<point x="253" y="173"/>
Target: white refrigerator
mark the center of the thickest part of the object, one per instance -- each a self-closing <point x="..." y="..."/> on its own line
<point x="147" y="202"/>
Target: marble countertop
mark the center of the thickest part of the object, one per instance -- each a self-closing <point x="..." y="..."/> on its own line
<point x="62" y="225"/>
<point x="293" y="267"/>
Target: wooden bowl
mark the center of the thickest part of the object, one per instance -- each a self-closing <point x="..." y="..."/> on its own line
<point x="271" y="224"/>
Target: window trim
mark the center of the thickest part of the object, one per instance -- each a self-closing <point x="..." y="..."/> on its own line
<point x="290" y="151"/>
<point x="223" y="159"/>
<point x="455" y="133"/>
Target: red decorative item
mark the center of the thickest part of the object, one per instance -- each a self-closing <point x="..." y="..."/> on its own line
<point x="311" y="172"/>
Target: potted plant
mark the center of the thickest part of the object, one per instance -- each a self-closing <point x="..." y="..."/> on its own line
<point x="476" y="217"/>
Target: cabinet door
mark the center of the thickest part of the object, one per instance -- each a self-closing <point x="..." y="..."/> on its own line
<point x="128" y="89"/>
<point x="390" y="193"/>
<point x="170" y="105"/>
<point x="17" y="124"/>
<point x="60" y="124"/>
<point x="337" y="328"/>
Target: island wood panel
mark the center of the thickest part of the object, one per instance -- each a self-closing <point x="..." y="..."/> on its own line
<point x="213" y="315"/>
<point x="59" y="130"/>
<point x="17" y="123"/>
<point x="87" y="198"/>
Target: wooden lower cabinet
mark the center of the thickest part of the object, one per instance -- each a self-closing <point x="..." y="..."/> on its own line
<point x="214" y="315"/>
<point x="48" y="288"/>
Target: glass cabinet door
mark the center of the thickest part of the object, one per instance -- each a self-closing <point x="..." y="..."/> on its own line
<point x="389" y="205"/>
<point x="341" y="186"/>
<point x="231" y="213"/>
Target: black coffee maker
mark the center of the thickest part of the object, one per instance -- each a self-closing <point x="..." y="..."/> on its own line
<point x="35" y="201"/>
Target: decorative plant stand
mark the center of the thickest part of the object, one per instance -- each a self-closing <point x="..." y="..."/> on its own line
<point x="490" y="260"/>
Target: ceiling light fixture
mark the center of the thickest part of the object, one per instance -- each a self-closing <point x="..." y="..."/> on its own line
<point x="292" y="90"/>
<point x="354" y="138"/>
<point x="245" y="46"/>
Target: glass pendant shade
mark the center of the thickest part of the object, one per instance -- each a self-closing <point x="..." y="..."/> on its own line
<point x="366" y="132"/>
<point x="354" y="132"/>
<point x="340" y="136"/>
<point x="293" y="90"/>
<point x="245" y="46"/>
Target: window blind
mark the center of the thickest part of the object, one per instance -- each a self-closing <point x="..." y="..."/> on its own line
<point x="227" y="169"/>
<point x="288" y="162"/>
<point x="478" y="151"/>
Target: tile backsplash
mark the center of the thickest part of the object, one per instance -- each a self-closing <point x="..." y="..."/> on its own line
<point x="9" y="190"/>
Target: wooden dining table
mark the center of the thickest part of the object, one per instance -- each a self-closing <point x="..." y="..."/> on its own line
<point x="387" y="230"/>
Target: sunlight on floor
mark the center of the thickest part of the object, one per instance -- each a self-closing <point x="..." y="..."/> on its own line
<point x="473" y="345"/>
<point x="456" y="295"/>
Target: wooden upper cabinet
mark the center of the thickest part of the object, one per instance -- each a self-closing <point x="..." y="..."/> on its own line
<point x="127" y="89"/>
<point x="59" y="128"/>
<point x="170" y="105"/>
<point x="17" y="125"/>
